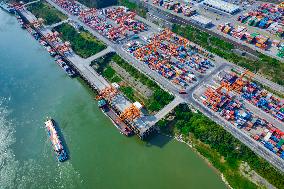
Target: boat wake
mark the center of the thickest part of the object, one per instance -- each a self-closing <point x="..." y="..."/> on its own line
<point x="8" y="164"/>
<point x="32" y="173"/>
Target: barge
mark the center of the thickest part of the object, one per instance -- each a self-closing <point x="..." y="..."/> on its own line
<point x="121" y="126"/>
<point x="56" y="142"/>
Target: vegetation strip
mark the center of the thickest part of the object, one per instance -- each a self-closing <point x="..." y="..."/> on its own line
<point x="270" y="67"/>
<point x="156" y="102"/>
<point x="83" y="43"/>
<point x="223" y="150"/>
<point x="47" y="12"/>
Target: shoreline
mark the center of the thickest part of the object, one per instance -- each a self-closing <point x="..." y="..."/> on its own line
<point x="179" y="138"/>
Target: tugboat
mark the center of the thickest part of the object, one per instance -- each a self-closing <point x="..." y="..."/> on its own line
<point x="103" y="105"/>
<point x="52" y="132"/>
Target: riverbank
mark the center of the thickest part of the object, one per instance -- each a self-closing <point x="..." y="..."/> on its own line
<point x="221" y="149"/>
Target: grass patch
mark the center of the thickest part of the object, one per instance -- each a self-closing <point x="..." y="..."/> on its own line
<point x="272" y="68"/>
<point x="128" y="92"/>
<point x="159" y="99"/>
<point x="83" y="43"/>
<point x="44" y="10"/>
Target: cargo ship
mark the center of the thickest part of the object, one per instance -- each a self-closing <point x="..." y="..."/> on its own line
<point x="121" y="126"/>
<point x="7" y="7"/>
<point x="56" y="142"/>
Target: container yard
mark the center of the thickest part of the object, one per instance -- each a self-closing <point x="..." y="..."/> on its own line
<point x="241" y="33"/>
<point x="267" y="16"/>
<point x="172" y="56"/>
<point x="231" y="108"/>
<point x="176" y="6"/>
<point x="115" y="23"/>
<point x="255" y="95"/>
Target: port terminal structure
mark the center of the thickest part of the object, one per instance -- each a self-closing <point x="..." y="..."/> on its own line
<point x="189" y="97"/>
<point x="143" y="125"/>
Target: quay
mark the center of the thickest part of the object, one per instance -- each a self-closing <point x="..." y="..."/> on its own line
<point x="119" y="103"/>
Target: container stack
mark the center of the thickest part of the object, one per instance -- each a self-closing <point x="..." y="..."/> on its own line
<point x="171" y="56"/>
<point x="176" y="6"/>
<point x="232" y="109"/>
<point x="116" y="23"/>
<point x="259" y="97"/>
<point x="266" y="16"/>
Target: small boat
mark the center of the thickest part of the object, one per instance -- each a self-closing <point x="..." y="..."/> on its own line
<point x="56" y="142"/>
<point x="70" y="72"/>
<point x="51" y="51"/>
<point x="7" y="7"/>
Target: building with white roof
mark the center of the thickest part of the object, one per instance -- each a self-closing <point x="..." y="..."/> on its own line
<point x="201" y="20"/>
<point x="222" y="6"/>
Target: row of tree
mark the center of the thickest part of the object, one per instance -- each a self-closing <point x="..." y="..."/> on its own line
<point x="83" y="43"/>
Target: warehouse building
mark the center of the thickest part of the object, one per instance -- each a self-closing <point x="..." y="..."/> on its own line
<point x="201" y="21"/>
<point x="222" y="6"/>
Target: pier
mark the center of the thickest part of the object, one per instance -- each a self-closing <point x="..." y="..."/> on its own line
<point x="58" y="24"/>
<point x="142" y="126"/>
<point x="99" y="55"/>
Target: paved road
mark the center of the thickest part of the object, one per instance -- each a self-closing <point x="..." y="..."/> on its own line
<point x="167" y="109"/>
<point x="169" y="86"/>
<point x="57" y="24"/>
<point x="99" y="55"/>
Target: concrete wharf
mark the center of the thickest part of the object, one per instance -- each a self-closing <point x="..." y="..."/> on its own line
<point x="96" y="81"/>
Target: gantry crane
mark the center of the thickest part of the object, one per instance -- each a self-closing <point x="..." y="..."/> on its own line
<point x="130" y="113"/>
<point x="107" y="93"/>
<point x="240" y="83"/>
<point x="37" y="23"/>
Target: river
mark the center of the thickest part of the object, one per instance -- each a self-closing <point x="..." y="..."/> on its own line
<point x="32" y="87"/>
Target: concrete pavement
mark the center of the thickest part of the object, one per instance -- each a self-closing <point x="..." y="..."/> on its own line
<point x="99" y="55"/>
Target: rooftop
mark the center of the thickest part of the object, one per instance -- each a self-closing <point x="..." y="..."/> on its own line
<point x="222" y="5"/>
<point x="201" y="19"/>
